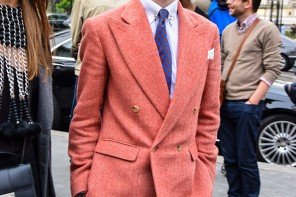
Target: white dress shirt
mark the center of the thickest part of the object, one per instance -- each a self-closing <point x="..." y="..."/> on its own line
<point x="172" y="28"/>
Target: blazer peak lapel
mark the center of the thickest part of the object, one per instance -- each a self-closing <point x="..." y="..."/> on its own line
<point x="137" y="46"/>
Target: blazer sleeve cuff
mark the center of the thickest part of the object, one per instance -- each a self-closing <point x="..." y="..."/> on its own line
<point x="79" y="186"/>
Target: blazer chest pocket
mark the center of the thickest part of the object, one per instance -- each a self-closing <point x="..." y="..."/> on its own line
<point x="117" y="149"/>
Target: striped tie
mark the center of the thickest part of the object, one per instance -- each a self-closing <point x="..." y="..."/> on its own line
<point x="163" y="46"/>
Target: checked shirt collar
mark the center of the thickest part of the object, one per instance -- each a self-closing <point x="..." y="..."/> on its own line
<point x="246" y="23"/>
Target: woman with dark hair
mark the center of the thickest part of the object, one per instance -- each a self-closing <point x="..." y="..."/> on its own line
<point x="26" y="109"/>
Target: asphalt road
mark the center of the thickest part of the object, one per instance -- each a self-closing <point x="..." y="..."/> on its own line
<point x="276" y="181"/>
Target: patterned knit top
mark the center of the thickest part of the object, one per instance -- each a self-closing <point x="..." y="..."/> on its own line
<point x="15" y="115"/>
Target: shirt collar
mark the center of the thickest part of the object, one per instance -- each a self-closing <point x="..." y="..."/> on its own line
<point x="152" y="9"/>
<point x="247" y="22"/>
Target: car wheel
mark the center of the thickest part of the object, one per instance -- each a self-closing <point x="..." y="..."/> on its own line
<point x="287" y="65"/>
<point x="56" y="114"/>
<point x="277" y="140"/>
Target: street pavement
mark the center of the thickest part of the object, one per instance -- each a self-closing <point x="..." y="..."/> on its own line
<point x="276" y="181"/>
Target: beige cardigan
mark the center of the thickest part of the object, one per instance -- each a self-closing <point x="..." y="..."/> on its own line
<point x="259" y="58"/>
<point x="83" y="9"/>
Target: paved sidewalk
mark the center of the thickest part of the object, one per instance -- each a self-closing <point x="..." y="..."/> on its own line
<point x="277" y="181"/>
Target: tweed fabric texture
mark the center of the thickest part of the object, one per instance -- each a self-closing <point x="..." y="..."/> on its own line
<point x="167" y="146"/>
<point x="164" y="47"/>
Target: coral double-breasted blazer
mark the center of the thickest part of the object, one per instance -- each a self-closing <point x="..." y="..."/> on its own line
<point x="127" y="137"/>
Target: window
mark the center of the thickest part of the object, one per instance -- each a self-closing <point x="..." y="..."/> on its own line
<point x="64" y="50"/>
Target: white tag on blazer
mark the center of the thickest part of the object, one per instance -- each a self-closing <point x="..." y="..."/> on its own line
<point x="211" y="54"/>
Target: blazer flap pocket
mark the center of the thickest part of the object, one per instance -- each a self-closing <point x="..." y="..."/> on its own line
<point x="117" y="149"/>
<point x="193" y="152"/>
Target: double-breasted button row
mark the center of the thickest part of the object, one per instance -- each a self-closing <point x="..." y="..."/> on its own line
<point x="179" y="148"/>
<point x="136" y="109"/>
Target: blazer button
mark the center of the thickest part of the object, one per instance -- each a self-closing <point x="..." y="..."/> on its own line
<point x="179" y="148"/>
<point x="154" y="148"/>
<point x="194" y="111"/>
<point x="136" y="109"/>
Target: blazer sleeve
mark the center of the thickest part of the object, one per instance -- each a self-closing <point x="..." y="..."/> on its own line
<point x="85" y="126"/>
<point x="209" y="116"/>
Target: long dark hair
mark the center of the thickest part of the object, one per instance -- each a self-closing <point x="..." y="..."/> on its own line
<point x="37" y="33"/>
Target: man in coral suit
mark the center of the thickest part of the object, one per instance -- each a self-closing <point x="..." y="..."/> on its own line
<point x="147" y="115"/>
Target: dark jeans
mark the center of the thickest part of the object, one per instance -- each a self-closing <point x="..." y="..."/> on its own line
<point x="238" y="134"/>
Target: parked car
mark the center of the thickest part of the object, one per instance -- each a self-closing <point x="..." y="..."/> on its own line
<point x="67" y="23"/>
<point x="56" y="20"/>
<point x="288" y="52"/>
<point x="277" y="139"/>
<point x="63" y="79"/>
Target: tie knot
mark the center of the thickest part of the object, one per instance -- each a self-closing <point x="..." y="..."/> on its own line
<point x="163" y="14"/>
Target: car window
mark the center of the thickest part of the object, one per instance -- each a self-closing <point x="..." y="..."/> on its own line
<point x="54" y="17"/>
<point x="63" y="50"/>
<point x="63" y="17"/>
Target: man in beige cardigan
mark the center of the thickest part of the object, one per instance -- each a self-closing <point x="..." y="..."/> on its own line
<point x="256" y="68"/>
<point x="83" y="9"/>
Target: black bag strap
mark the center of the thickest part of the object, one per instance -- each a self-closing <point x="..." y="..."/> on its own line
<point x="20" y="158"/>
<point x="24" y="149"/>
<point x="11" y="154"/>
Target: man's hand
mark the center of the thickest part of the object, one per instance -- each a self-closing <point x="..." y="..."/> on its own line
<point x="81" y="195"/>
<point x="75" y="51"/>
<point x="250" y="103"/>
<point x="259" y="94"/>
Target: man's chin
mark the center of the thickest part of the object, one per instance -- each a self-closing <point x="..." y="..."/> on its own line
<point x="230" y="12"/>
